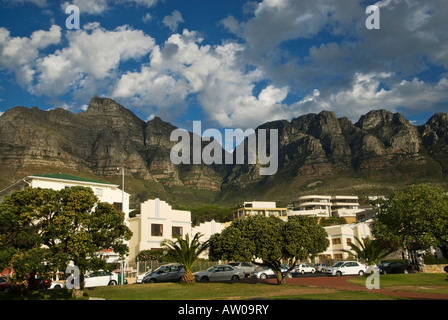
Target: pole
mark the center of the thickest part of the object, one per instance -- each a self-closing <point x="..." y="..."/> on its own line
<point x="122" y="209"/>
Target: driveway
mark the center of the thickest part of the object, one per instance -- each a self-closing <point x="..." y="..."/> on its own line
<point x="342" y="283"/>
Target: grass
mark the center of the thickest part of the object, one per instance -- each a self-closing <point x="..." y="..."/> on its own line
<point x="418" y="282"/>
<point x="431" y="283"/>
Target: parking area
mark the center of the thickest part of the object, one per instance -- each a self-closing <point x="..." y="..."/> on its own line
<point x="334" y="282"/>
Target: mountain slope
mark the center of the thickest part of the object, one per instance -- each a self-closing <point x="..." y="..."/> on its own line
<point x="317" y="153"/>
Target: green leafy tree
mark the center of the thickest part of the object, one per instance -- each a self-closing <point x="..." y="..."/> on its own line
<point x="370" y="251"/>
<point x="52" y="227"/>
<point x="414" y="219"/>
<point x="185" y="252"/>
<point x="271" y="240"/>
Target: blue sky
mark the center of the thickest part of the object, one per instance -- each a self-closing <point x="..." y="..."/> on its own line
<point x="230" y="64"/>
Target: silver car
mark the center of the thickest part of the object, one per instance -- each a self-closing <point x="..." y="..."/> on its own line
<point x="165" y="273"/>
<point x="246" y="267"/>
<point x="219" y="273"/>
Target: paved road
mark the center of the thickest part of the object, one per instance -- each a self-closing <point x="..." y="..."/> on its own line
<point x="319" y="280"/>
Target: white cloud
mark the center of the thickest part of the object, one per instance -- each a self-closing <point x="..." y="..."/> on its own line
<point x="172" y="21"/>
<point x="214" y="74"/>
<point x="39" y="3"/>
<point x="87" y="6"/>
<point x="367" y="93"/>
<point x="93" y="54"/>
<point x="18" y="53"/>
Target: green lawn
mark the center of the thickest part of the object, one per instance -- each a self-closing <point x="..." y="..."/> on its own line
<point x="420" y="282"/>
<point x="433" y="283"/>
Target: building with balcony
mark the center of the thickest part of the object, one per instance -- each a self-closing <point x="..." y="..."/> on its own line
<point x="325" y="206"/>
<point x="260" y="208"/>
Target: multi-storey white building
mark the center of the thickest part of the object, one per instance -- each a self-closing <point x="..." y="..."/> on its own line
<point x="105" y="191"/>
<point x="263" y="208"/>
<point x="323" y="206"/>
<point x="312" y="205"/>
<point x="158" y="221"/>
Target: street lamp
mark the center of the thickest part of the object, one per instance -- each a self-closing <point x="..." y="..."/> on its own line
<point x="122" y="209"/>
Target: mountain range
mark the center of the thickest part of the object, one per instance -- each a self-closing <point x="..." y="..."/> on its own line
<point x="317" y="153"/>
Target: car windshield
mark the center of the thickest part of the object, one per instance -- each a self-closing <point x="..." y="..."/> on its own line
<point x="385" y="264"/>
<point x="338" y="264"/>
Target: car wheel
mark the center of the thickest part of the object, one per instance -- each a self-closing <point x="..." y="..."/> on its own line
<point x="58" y="286"/>
<point x="263" y="276"/>
<point x="302" y="272"/>
<point x="152" y="280"/>
<point x="204" y="279"/>
<point x="112" y="283"/>
<point x="313" y="271"/>
<point x="361" y="273"/>
<point x="339" y="273"/>
<point x="235" y="278"/>
<point x="405" y="271"/>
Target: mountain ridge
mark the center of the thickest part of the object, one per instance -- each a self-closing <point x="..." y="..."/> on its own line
<point x="318" y="152"/>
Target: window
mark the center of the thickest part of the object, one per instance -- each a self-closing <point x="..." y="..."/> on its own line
<point x="338" y="256"/>
<point x="336" y="241"/>
<point x="349" y="240"/>
<point x="98" y="192"/>
<point x="156" y="230"/>
<point x="118" y="206"/>
<point x="176" y="231"/>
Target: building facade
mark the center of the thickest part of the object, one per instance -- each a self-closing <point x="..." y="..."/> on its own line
<point x="324" y="206"/>
<point x="263" y="208"/>
<point x="340" y="237"/>
<point x="106" y="192"/>
<point x="158" y="221"/>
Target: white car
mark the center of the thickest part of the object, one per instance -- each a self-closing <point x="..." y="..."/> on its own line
<point x="266" y="272"/>
<point x="57" y="284"/>
<point x="304" y="268"/>
<point x="219" y="273"/>
<point x="100" y="278"/>
<point x="346" y="268"/>
<point x="141" y="276"/>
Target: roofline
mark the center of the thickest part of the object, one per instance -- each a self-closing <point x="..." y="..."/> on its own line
<point x="58" y="179"/>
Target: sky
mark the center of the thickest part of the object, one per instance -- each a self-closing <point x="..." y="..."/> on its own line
<point x="227" y="63"/>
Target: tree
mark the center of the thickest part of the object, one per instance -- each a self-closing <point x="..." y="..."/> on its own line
<point x="415" y="218"/>
<point x="50" y="228"/>
<point x="271" y="240"/>
<point x="370" y="251"/>
<point x="185" y="252"/>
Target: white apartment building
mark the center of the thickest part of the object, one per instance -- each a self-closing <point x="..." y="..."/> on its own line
<point x="158" y="221"/>
<point x="340" y="237"/>
<point x="324" y="206"/>
<point x="105" y="191"/>
<point x="312" y="205"/>
<point x="263" y="208"/>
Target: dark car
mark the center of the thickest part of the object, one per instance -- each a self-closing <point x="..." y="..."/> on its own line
<point x="4" y="285"/>
<point x="392" y="267"/>
<point x="165" y="273"/>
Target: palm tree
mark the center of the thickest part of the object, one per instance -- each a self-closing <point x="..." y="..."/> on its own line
<point x="185" y="252"/>
<point x="370" y="251"/>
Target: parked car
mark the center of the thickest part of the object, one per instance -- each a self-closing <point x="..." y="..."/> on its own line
<point x="304" y="268"/>
<point x="4" y="285"/>
<point x="266" y="272"/>
<point x="101" y="278"/>
<point x="140" y="277"/>
<point x="392" y="267"/>
<point x="320" y="266"/>
<point x="219" y="273"/>
<point x="167" y="273"/>
<point x="57" y="284"/>
<point x="246" y="267"/>
<point x="445" y="269"/>
<point x="346" y="268"/>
